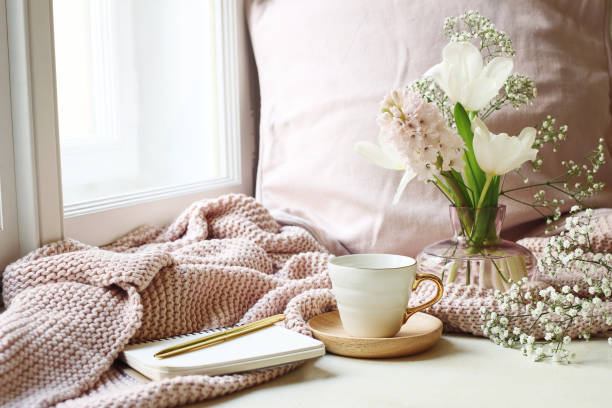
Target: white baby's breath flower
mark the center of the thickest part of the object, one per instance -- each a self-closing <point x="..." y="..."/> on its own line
<point x="554" y="311"/>
<point x="538" y="352"/>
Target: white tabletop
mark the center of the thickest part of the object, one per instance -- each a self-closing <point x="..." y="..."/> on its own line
<point x="459" y="371"/>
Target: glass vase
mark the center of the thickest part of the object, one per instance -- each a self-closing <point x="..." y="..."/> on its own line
<point x="476" y="255"/>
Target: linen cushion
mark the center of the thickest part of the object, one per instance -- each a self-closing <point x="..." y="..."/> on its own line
<point x="324" y="66"/>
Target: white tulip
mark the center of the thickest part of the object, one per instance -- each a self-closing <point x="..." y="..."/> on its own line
<point x="462" y="77"/>
<point x="500" y="154"/>
<point x="384" y="155"/>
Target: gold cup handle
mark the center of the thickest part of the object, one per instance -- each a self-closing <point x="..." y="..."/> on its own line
<point x="420" y="277"/>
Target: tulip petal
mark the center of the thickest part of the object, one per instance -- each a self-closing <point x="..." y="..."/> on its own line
<point x="455" y="84"/>
<point x="479" y="93"/>
<point x="434" y="72"/>
<point x="483" y="151"/>
<point x="392" y="155"/>
<point x="440" y="76"/>
<point x="377" y="155"/>
<point x="526" y="152"/>
<point x="528" y="136"/>
<point x="463" y="78"/>
<point x="503" y="150"/>
<point x="479" y="126"/>
<point x="498" y="70"/>
<point x="465" y="58"/>
<point x="518" y="158"/>
<point x="500" y="154"/>
<point x="406" y="178"/>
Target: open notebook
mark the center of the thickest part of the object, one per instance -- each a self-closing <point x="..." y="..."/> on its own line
<point x="267" y="347"/>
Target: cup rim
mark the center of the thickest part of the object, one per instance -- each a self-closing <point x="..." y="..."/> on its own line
<point x="338" y="261"/>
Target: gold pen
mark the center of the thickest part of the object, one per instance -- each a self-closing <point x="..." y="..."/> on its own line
<point x="216" y="338"/>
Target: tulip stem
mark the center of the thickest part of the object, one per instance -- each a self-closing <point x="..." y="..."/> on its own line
<point x="445" y="191"/>
<point x="484" y="190"/>
<point x="453" y="185"/>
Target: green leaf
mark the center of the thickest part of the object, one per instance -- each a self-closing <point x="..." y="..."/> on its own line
<point x="492" y="197"/>
<point x="457" y="190"/>
<point x="474" y="175"/>
<point x="462" y="186"/>
<point x="464" y="125"/>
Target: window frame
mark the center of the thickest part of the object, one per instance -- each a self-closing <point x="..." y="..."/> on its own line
<point x="9" y="231"/>
<point x="42" y="216"/>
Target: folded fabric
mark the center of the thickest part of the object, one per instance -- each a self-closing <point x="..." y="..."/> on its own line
<point x="71" y="308"/>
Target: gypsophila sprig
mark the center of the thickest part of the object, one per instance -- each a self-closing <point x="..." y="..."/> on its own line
<point x="519" y="90"/>
<point x="572" y="250"/>
<point x="577" y="183"/>
<point x="547" y="133"/>
<point x="555" y="313"/>
<point x="434" y="131"/>
<point x="473" y="26"/>
<point x="431" y="92"/>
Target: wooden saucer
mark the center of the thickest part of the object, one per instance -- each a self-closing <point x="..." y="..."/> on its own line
<point x="419" y="333"/>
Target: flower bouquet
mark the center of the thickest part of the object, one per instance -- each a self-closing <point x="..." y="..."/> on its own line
<point x="434" y="130"/>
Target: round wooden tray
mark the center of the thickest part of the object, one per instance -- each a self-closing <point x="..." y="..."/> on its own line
<point x="418" y="334"/>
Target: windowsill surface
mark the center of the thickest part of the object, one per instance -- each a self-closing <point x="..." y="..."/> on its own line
<point x="460" y="371"/>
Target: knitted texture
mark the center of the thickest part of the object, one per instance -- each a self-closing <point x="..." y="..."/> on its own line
<point x="71" y="308"/>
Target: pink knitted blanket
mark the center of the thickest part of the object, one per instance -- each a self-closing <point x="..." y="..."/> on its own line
<point x="71" y="308"/>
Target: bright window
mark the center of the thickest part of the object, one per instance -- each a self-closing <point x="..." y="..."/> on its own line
<point x="138" y="100"/>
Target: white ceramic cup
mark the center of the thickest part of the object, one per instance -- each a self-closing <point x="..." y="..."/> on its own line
<point x="372" y="291"/>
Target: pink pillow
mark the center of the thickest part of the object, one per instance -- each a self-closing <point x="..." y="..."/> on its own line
<point x="324" y="66"/>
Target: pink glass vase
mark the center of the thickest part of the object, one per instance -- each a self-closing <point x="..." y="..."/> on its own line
<point x="476" y="255"/>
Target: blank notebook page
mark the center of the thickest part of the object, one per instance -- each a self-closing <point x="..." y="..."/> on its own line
<point x="267" y="347"/>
